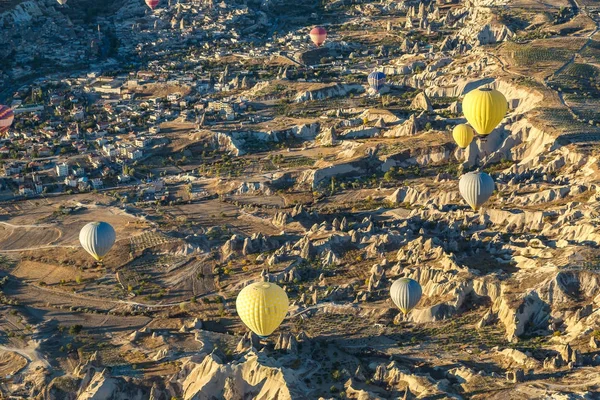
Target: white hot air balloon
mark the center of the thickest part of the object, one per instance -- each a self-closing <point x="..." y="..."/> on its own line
<point x="405" y="294"/>
<point x="97" y="238"/>
<point x="476" y="188"/>
<point x="62" y="2"/>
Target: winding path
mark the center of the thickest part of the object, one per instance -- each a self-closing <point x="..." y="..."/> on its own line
<point x="30" y="353"/>
<point x="27" y="226"/>
<point x="50" y="246"/>
<point x="65" y="294"/>
<point x="35" y="226"/>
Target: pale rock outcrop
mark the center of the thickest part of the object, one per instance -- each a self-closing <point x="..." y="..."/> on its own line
<point x="253" y="188"/>
<point x="360" y="133"/>
<point x="421" y="102"/>
<point x="520" y="358"/>
<point x="286" y="342"/>
<point x="226" y="143"/>
<point x="400" y="67"/>
<point x="486" y="320"/>
<point x="410" y="127"/>
<point x="463" y="374"/>
<point x="410" y="195"/>
<point x="359" y="394"/>
<point x="327" y="137"/>
<point x="422" y="385"/>
<point x="517" y="314"/>
<point x="103" y="386"/>
<point x="336" y="90"/>
<point x="314" y="177"/>
<point x="163" y="353"/>
<point x="209" y="376"/>
<point x="248" y="341"/>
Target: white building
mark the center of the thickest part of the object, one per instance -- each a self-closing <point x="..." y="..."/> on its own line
<point x="142" y="142"/>
<point x="134" y="154"/>
<point x="62" y="170"/>
<point x="97" y="183"/>
<point x="71" y="181"/>
<point x="109" y="150"/>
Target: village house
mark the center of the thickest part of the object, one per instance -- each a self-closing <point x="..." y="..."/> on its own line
<point x="62" y="170"/>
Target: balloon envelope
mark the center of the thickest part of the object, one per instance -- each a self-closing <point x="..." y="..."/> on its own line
<point x="318" y="34"/>
<point x="405" y="294"/>
<point x="62" y="2"/>
<point x="463" y="135"/>
<point x="97" y="238"/>
<point x="476" y="188"/>
<point x="376" y="80"/>
<point x="6" y="118"/>
<point x="262" y="306"/>
<point x="484" y="109"/>
<point x="152" y="3"/>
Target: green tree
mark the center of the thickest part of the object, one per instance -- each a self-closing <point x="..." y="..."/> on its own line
<point x="391" y="175"/>
<point x="75" y="329"/>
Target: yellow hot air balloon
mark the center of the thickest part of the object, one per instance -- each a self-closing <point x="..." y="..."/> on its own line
<point x="262" y="306"/>
<point x="484" y="109"/>
<point x="463" y="135"/>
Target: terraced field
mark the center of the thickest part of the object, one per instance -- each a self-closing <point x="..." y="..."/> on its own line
<point x="580" y="85"/>
<point x="543" y="57"/>
<point x="147" y="240"/>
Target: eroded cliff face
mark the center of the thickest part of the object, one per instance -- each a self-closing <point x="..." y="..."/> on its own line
<point x="337" y="90"/>
<point x="481" y="27"/>
<point x="254" y="375"/>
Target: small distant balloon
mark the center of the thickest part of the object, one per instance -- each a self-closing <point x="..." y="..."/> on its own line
<point x="406" y="294"/>
<point x="97" y="238"/>
<point x="7" y="117"/>
<point x="318" y="34"/>
<point x="62" y="2"/>
<point x="152" y="3"/>
<point x="376" y="80"/>
<point x="463" y="135"/>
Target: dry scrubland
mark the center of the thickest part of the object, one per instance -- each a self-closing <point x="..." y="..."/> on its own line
<point x="335" y="194"/>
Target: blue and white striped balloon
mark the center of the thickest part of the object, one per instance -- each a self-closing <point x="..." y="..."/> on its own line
<point x="97" y="238"/>
<point x="406" y="293"/>
<point x="376" y="80"/>
<point x="476" y="188"/>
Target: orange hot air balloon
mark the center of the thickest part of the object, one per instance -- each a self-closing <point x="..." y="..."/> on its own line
<point x="6" y="118"/>
<point x="318" y="34"/>
<point x="152" y="3"/>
